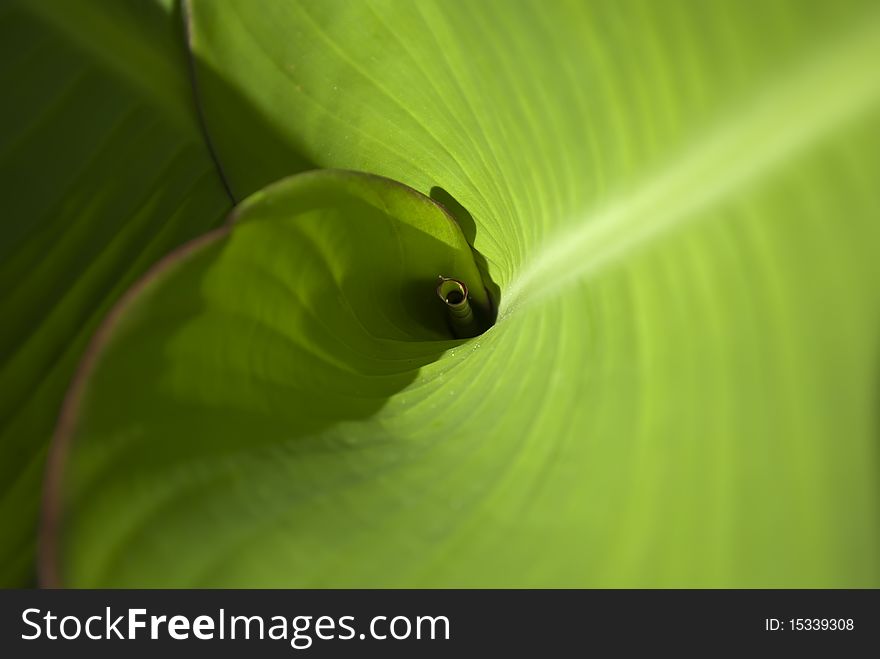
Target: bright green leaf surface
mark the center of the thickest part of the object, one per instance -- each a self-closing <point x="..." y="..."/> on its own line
<point x="317" y="306"/>
<point x="103" y="170"/>
<point x="678" y="200"/>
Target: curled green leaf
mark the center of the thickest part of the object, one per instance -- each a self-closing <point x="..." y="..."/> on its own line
<point x="455" y="294"/>
<point x="268" y="337"/>
<point x="679" y="203"/>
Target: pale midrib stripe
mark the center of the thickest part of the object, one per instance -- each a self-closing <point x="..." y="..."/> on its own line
<point x="783" y="120"/>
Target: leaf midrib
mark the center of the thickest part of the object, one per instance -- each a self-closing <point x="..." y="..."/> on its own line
<point x="794" y="114"/>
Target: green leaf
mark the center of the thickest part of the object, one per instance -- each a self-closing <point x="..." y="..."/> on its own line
<point x="103" y="170"/>
<point x="313" y="309"/>
<point x="678" y="202"/>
